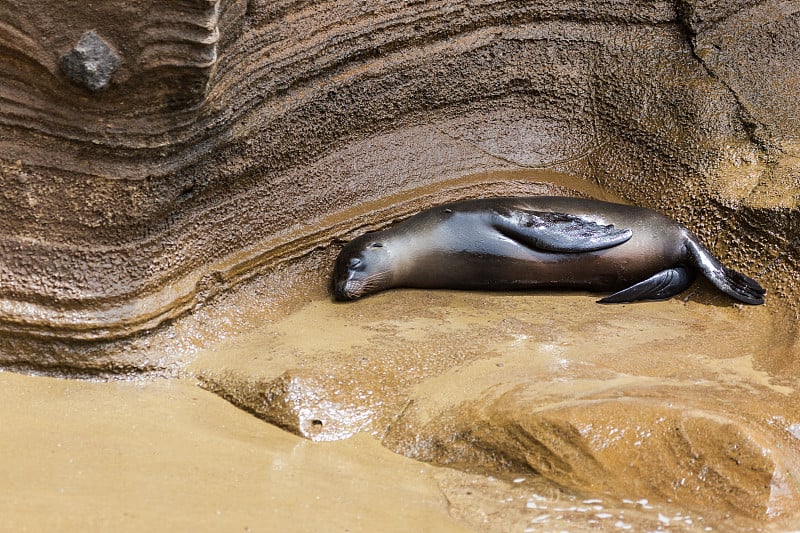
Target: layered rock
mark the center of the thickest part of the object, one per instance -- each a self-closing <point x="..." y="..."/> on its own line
<point x="647" y="441"/>
<point x="152" y="158"/>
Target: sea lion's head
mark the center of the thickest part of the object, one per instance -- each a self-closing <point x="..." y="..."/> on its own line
<point x="363" y="267"/>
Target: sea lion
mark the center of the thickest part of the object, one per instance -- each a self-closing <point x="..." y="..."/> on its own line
<point x="536" y="242"/>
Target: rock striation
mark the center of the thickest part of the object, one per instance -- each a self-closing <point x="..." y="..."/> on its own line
<point x="152" y="158"/>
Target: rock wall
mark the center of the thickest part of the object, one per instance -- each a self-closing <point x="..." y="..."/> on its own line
<point x="153" y="156"/>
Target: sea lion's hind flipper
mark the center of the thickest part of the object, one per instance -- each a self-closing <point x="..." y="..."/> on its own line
<point x="737" y="285"/>
<point x="659" y="286"/>
<point x="733" y="283"/>
<point x="558" y="232"/>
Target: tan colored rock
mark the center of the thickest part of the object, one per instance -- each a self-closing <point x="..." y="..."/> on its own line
<point x="301" y="402"/>
<point x="685" y="404"/>
<point x="671" y="444"/>
<point x="234" y="137"/>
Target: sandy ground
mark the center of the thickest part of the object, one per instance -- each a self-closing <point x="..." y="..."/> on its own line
<point x="168" y="456"/>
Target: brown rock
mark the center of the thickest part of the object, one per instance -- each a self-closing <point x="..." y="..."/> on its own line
<point x="299" y="401"/>
<point x="231" y="136"/>
<point x="668" y="444"/>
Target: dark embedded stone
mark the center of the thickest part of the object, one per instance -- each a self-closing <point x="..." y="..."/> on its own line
<point x="91" y="62"/>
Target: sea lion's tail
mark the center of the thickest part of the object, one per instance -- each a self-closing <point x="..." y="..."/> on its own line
<point x="733" y="283"/>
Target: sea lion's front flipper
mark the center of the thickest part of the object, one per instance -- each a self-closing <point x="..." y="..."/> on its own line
<point x="558" y="232"/>
<point x="661" y="285"/>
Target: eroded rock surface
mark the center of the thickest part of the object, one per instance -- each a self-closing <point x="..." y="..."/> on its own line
<point x="667" y="402"/>
<point x="664" y="444"/>
<point x="230" y="133"/>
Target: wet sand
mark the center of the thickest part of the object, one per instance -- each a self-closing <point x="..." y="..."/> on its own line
<point x="167" y="456"/>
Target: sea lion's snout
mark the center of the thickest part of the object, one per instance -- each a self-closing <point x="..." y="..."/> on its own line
<point x="355" y="264"/>
<point x="345" y="290"/>
<point x="346" y="285"/>
<point x="341" y="291"/>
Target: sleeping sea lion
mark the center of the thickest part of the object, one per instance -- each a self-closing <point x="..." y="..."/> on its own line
<point x="536" y="242"/>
